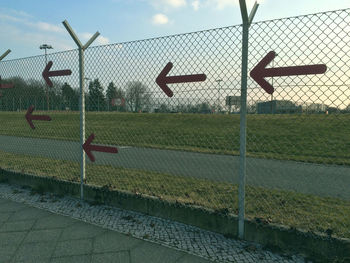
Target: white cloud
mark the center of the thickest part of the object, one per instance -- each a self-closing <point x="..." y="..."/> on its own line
<point x="222" y="4"/>
<point x="195" y="5"/>
<point x="168" y="4"/>
<point x="32" y="39"/>
<point x="25" y="20"/>
<point x="15" y="12"/>
<point x="160" y="19"/>
<point x="85" y="36"/>
<point x="48" y="27"/>
<point x="101" y="40"/>
<point x="9" y="18"/>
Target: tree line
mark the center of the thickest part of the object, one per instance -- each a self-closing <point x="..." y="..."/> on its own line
<point x="134" y="97"/>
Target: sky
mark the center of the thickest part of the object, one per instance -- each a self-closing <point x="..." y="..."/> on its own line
<point x="25" y="25"/>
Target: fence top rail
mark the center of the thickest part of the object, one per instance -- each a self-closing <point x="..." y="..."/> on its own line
<point x="181" y="34"/>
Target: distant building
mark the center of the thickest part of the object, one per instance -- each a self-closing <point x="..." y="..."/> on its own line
<point x="277" y="107"/>
<point x="314" y="108"/>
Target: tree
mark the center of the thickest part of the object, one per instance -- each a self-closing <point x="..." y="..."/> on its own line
<point x="163" y="108"/>
<point x="137" y="96"/>
<point x="115" y="98"/>
<point x="70" y="97"/>
<point x="204" y="108"/>
<point x="24" y="94"/>
<point x="97" y="100"/>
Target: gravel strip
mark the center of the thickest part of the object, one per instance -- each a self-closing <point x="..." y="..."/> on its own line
<point x="190" y="239"/>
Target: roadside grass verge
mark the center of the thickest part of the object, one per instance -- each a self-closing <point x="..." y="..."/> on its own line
<point x="308" y="138"/>
<point x="295" y="210"/>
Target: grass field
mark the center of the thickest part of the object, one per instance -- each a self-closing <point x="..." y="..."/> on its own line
<point x="309" y="138"/>
<point x="307" y="212"/>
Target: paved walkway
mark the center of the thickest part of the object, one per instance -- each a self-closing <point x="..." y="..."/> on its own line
<point x="29" y="234"/>
<point x="308" y="178"/>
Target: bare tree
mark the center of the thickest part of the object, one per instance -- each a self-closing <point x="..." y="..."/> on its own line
<point x="138" y="97"/>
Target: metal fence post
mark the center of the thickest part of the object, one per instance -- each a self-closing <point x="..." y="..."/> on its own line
<point x="243" y="115"/>
<point x="82" y="99"/>
<point x="5" y="54"/>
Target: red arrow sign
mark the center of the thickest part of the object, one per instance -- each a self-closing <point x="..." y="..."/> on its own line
<point x="6" y="85"/>
<point x="260" y="71"/>
<point x="162" y="80"/>
<point x="46" y="73"/>
<point x="30" y="117"/>
<point x="88" y="148"/>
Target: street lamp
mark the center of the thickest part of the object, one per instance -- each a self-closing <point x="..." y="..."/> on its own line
<point x="86" y="89"/>
<point x="46" y="46"/>
<point x="219" y="81"/>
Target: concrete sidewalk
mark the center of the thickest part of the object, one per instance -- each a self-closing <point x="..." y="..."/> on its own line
<point x="30" y="234"/>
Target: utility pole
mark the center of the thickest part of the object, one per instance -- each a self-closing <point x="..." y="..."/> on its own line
<point x="218" y="102"/>
<point x="45" y="47"/>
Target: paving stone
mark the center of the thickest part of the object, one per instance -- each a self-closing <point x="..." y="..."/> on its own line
<point x="52" y="221"/>
<point x="4" y="216"/>
<point x="80" y="231"/>
<point x="28" y="213"/>
<point x="10" y="207"/>
<point x="34" y="252"/>
<point x="145" y="253"/>
<point x="11" y="238"/>
<point x="110" y="242"/>
<point x="7" y="250"/>
<point x="191" y="259"/>
<point x="120" y="257"/>
<point x="73" y="247"/>
<point x="42" y="235"/>
<point x="6" y="258"/>
<point x="133" y="229"/>
<point x="72" y="259"/>
<point x="17" y="225"/>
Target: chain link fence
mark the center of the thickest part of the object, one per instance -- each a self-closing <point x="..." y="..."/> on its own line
<point x="186" y="148"/>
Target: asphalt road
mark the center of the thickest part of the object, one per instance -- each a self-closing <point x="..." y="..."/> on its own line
<point x="322" y="180"/>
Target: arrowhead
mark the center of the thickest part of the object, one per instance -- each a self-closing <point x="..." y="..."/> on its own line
<point x="28" y="116"/>
<point x="161" y="80"/>
<point x="46" y="73"/>
<point x="87" y="147"/>
<point x="6" y="86"/>
<point x="258" y="73"/>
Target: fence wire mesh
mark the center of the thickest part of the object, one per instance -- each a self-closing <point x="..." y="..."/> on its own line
<point x="185" y="148"/>
<point x="298" y="140"/>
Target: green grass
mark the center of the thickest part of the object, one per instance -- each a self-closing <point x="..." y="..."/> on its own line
<point x="308" y="138"/>
<point x="307" y="212"/>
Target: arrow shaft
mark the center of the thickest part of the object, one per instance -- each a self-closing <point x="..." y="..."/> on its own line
<point x="185" y="78"/>
<point x="294" y="71"/>
<point x="40" y="118"/>
<point x="58" y="73"/>
<point x="98" y="148"/>
<point x="6" y="86"/>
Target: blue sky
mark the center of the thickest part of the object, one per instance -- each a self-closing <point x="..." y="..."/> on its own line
<point x="25" y="25"/>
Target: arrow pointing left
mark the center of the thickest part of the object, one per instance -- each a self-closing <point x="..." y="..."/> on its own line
<point x="47" y="73"/>
<point x="260" y="72"/>
<point x="6" y="85"/>
<point x="162" y="80"/>
<point x="29" y="117"/>
<point x="88" y="148"/>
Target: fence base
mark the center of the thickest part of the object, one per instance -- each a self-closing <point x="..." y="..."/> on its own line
<point x="277" y="238"/>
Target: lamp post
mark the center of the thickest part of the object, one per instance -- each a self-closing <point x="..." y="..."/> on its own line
<point x="219" y="81"/>
<point x="45" y="47"/>
<point x="86" y="89"/>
